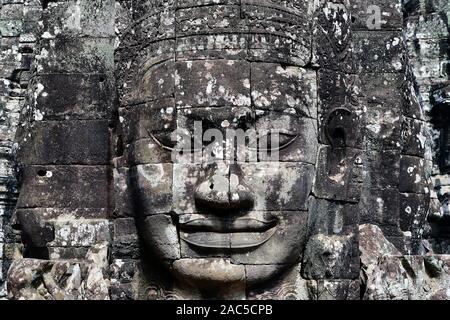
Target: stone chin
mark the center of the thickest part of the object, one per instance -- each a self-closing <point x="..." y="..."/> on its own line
<point x="206" y="273"/>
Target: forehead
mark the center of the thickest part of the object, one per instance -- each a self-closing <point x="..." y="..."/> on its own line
<point x="215" y="60"/>
<point x="229" y="83"/>
<point x="215" y="52"/>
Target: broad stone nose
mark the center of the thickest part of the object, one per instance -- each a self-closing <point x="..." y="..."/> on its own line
<point x="223" y="190"/>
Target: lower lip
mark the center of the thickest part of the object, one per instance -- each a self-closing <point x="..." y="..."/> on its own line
<point x="223" y="241"/>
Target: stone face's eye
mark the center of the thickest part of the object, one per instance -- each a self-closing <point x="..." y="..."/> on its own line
<point x="163" y="139"/>
<point x="180" y="140"/>
<point x="275" y="140"/>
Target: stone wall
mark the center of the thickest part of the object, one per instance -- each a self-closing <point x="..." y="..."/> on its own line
<point x="68" y="127"/>
<point x="70" y="90"/>
<point x="427" y="35"/>
<point x="19" y="26"/>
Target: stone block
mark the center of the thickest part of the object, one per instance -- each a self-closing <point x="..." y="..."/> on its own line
<point x="42" y="187"/>
<point x="125" y="239"/>
<point x="297" y="137"/>
<point x="332" y="38"/>
<point x="123" y="198"/>
<point x="339" y="175"/>
<point x="380" y="206"/>
<point x="66" y="142"/>
<point x="331" y="257"/>
<point x="84" y="18"/>
<point x="123" y="270"/>
<point x="151" y="82"/>
<point x="413" y="212"/>
<point x="74" y="96"/>
<point x="80" y="233"/>
<point x="294" y="181"/>
<point x="379" y="52"/>
<point x="329" y="217"/>
<point x="383" y="169"/>
<point x="415" y="137"/>
<point x="157" y="118"/>
<point x="62" y="55"/>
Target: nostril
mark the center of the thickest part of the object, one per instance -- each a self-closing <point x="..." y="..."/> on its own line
<point x="212" y="193"/>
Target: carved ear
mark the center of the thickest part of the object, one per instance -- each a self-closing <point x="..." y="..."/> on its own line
<point x="339" y="125"/>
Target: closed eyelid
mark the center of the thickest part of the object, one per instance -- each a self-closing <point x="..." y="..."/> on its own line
<point x="163" y="146"/>
<point x="293" y="136"/>
<point x="279" y="131"/>
<point x="159" y="143"/>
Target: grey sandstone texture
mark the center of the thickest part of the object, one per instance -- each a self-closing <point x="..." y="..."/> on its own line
<point x="93" y="205"/>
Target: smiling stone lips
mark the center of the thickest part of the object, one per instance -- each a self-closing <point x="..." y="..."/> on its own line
<point x="234" y="234"/>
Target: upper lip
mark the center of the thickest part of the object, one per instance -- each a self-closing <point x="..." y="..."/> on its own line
<point x="224" y="225"/>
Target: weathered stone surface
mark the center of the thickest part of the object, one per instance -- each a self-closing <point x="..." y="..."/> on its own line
<point x="409" y="278"/>
<point x="73" y="96"/>
<point x="98" y="88"/>
<point x="289" y="287"/>
<point x="284" y="247"/>
<point x="213" y="271"/>
<point x="376" y="15"/>
<point x="332" y="38"/>
<point x="85" y="18"/>
<point x="122" y="270"/>
<point x="339" y="174"/>
<point x="41" y="187"/>
<point x="285" y="89"/>
<point x="125" y="239"/>
<point x="331" y="257"/>
<point x="383" y="169"/>
<point x="123" y="202"/>
<point x="380" y="52"/>
<point x="34" y="231"/>
<point x="80" y="233"/>
<point x="328" y="217"/>
<point x="164" y="240"/>
<point x="213" y="83"/>
<point x="297" y="136"/>
<point x="381" y="207"/>
<point x="412" y="175"/>
<point x="335" y="290"/>
<point x="373" y="244"/>
<point x="152" y="185"/>
<point x="31" y="279"/>
<point x="157" y="117"/>
<point x="60" y="55"/>
<point x="66" y="142"/>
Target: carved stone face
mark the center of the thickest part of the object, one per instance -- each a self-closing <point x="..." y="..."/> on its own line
<point x="252" y="212"/>
<point x="239" y="214"/>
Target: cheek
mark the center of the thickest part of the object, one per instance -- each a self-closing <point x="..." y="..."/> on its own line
<point x="152" y="188"/>
<point x="279" y="186"/>
<point x="161" y="236"/>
